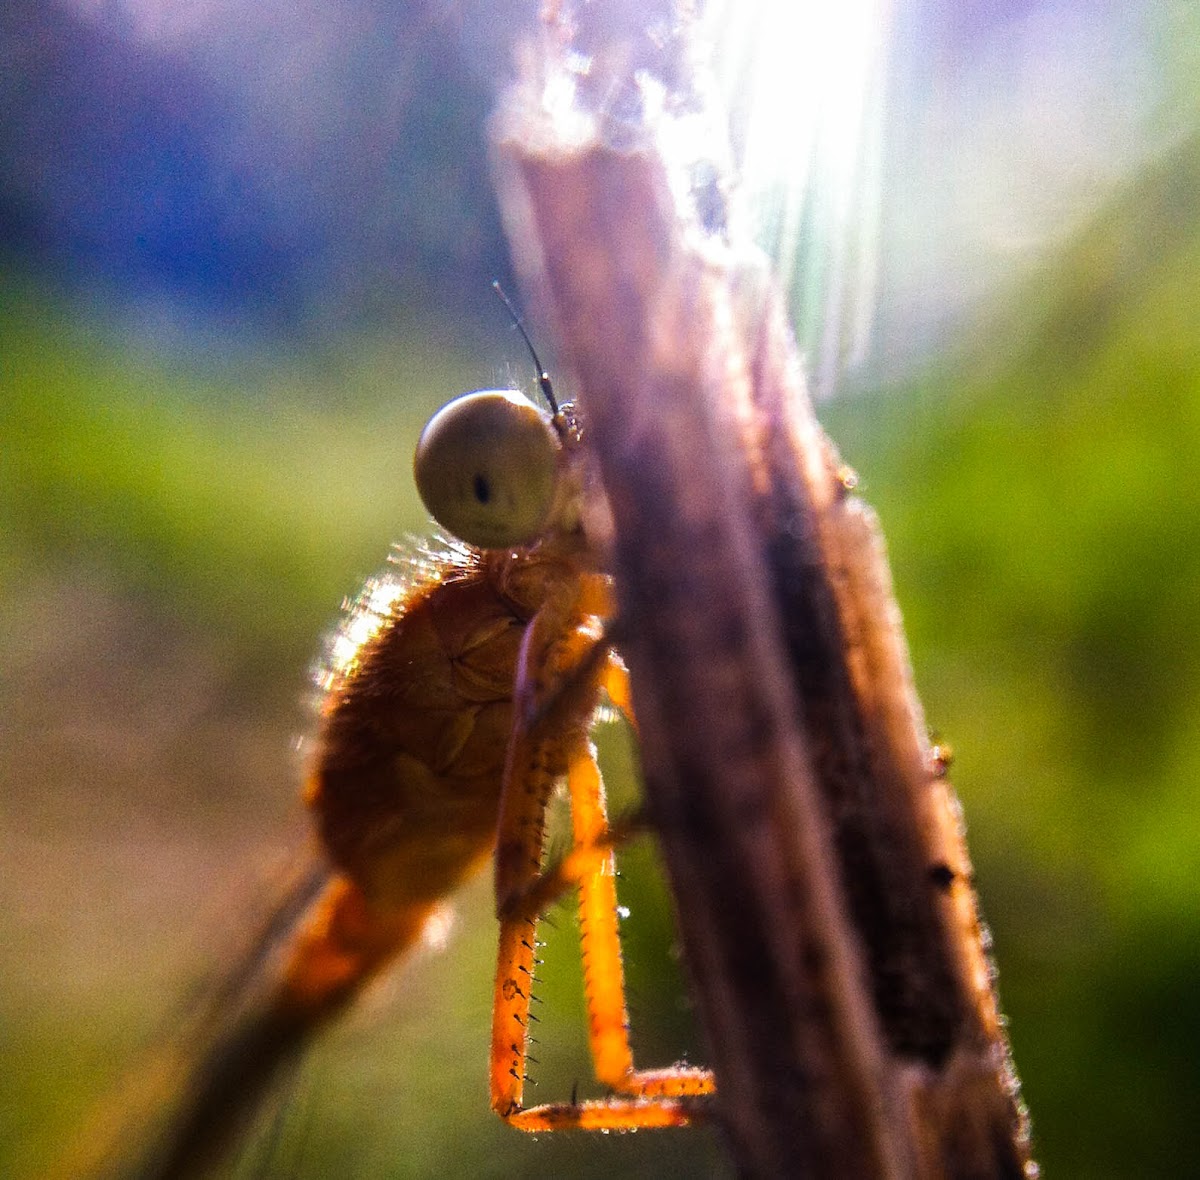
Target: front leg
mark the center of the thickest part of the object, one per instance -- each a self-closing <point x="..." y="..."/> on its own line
<point x="555" y="691"/>
<point x="539" y="751"/>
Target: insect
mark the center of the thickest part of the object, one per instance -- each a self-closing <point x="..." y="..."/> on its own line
<point x="455" y="701"/>
<point x="447" y="729"/>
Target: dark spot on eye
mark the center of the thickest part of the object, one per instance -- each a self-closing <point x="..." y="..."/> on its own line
<point x="942" y="875"/>
<point x="483" y="489"/>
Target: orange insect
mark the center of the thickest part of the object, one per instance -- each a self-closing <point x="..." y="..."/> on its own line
<point x="455" y="702"/>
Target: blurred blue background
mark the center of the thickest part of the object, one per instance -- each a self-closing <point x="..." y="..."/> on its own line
<point x="245" y="250"/>
<point x="264" y="167"/>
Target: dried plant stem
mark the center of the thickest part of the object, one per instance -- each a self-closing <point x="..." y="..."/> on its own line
<point x="825" y="896"/>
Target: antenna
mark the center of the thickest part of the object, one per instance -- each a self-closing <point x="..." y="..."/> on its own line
<point x="543" y="377"/>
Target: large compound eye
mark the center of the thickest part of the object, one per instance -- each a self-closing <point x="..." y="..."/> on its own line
<point x="485" y="467"/>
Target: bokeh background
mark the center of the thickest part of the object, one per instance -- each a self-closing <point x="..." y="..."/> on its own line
<point x="245" y="249"/>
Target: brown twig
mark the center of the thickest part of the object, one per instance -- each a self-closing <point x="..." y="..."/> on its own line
<point x="824" y="892"/>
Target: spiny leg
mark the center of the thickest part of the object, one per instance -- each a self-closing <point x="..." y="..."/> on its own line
<point x="550" y="650"/>
<point x="648" y="1098"/>
<point x="652" y="1098"/>
<point x="518" y="865"/>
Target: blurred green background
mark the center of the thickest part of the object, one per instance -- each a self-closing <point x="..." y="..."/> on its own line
<point x="214" y="362"/>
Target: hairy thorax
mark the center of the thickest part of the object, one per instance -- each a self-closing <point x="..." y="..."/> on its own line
<point x="415" y="725"/>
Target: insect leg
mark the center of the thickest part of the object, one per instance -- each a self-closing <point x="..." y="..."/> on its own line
<point x="546" y="742"/>
<point x="649" y="1098"/>
<point x="518" y="865"/>
<point x="557" y="684"/>
<point x="604" y="977"/>
<point x="534" y="763"/>
<point x="600" y="945"/>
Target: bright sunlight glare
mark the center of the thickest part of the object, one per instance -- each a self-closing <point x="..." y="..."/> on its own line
<point x="804" y="82"/>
